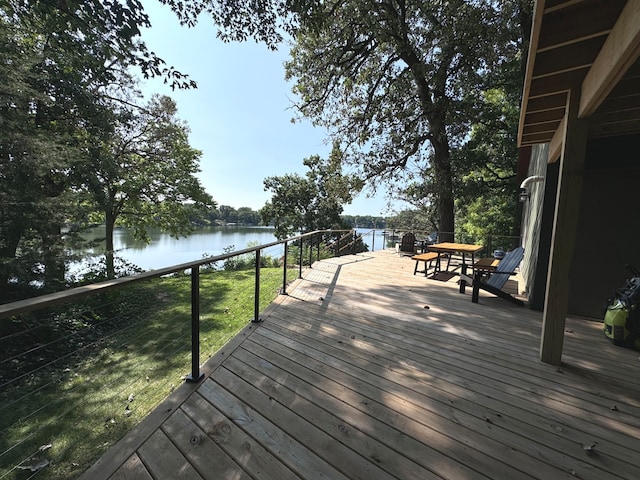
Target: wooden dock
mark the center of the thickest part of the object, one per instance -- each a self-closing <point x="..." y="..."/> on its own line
<point x="366" y="371"/>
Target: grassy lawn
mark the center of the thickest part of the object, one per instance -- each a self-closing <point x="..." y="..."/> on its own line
<point x="73" y="410"/>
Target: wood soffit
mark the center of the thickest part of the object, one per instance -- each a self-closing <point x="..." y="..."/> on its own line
<point x="590" y="44"/>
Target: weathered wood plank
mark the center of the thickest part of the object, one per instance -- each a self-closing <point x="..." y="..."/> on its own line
<point x="490" y="368"/>
<point x="359" y="433"/>
<point x="199" y="450"/>
<point x="329" y="448"/>
<point x="132" y="469"/>
<point x="402" y="427"/>
<point x="488" y="404"/>
<point x="164" y="460"/>
<point x="251" y="455"/>
<point x="294" y="454"/>
<point x="478" y="341"/>
<point x="564" y="231"/>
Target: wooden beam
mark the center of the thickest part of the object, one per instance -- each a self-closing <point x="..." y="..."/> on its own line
<point x="619" y="52"/>
<point x="536" y="138"/>
<point x="578" y="22"/>
<point x="555" y="146"/>
<point x="546" y="127"/>
<point x="598" y="130"/>
<point x="569" y="57"/>
<point x="556" y="114"/>
<point x="549" y="102"/>
<point x="564" y="231"/>
<point x="538" y="12"/>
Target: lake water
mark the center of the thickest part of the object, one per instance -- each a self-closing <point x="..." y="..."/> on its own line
<point x="164" y="250"/>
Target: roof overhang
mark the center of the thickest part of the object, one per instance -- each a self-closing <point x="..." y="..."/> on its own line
<point x="592" y="45"/>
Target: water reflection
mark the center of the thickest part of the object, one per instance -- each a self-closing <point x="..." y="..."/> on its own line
<point x="164" y="250"/>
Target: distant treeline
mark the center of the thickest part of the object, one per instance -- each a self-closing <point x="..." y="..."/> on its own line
<point x="226" y="214"/>
<point x="364" y="221"/>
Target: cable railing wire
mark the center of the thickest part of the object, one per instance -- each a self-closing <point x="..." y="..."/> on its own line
<point x="96" y="365"/>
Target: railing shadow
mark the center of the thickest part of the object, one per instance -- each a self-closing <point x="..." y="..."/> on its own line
<point x="78" y="366"/>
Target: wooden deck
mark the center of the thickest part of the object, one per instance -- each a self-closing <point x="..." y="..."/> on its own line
<point x="365" y="371"/>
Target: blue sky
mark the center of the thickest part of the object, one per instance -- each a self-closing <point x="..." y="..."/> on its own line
<point x="240" y="114"/>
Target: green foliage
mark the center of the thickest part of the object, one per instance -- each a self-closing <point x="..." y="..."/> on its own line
<point x="486" y="217"/>
<point x="98" y="38"/>
<point x="247" y="260"/>
<point x="313" y="202"/>
<point x="398" y="84"/>
<point x="142" y="174"/>
<point x="225" y="214"/>
<point x="132" y="344"/>
<point x="38" y="106"/>
<point x="486" y="188"/>
<point x="65" y="68"/>
<point x="411" y="220"/>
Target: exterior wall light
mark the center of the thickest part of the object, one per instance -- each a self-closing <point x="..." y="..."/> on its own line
<point x="524" y="190"/>
<point x="524" y="195"/>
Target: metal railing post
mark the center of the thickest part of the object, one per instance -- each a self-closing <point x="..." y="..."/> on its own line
<point x="256" y="304"/>
<point x="373" y="240"/>
<point x="311" y="251"/>
<point x="284" y="274"/>
<point x="319" y="242"/>
<point x="300" y="259"/>
<point x="195" y="376"/>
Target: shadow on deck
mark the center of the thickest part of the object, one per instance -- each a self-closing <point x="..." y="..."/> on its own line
<point x="365" y="371"/>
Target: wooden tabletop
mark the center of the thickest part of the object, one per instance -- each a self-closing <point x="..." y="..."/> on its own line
<point x="451" y="247"/>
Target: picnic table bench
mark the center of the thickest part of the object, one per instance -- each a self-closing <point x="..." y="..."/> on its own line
<point x="424" y="257"/>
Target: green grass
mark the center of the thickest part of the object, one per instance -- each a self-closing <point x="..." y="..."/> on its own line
<point x="80" y="407"/>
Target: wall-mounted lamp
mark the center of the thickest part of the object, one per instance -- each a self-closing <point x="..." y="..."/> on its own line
<point x="524" y="195"/>
<point x="524" y="191"/>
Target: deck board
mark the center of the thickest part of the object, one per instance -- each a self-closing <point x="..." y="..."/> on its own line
<point x="366" y="371"/>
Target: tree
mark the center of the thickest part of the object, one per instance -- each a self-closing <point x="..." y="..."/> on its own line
<point x="40" y="108"/>
<point x="107" y="31"/>
<point x="312" y="202"/>
<point x="247" y="216"/>
<point x="59" y="60"/>
<point x="227" y="214"/>
<point x="143" y="174"/>
<point x="398" y="83"/>
<point x="486" y="190"/>
<point x="410" y="220"/>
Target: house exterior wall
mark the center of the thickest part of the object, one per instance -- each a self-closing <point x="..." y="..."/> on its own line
<point x="608" y="230"/>
<point x="532" y="210"/>
<point x="608" y="238"/>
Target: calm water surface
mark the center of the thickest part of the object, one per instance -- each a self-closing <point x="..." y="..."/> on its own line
<point x="164" y="250"/>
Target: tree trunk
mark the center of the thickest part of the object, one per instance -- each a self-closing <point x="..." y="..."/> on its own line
<point x="8" y="248"/>
<point x="53" y="258"/>
<point x="110" y="221"/>
<point x="443" y="182"/>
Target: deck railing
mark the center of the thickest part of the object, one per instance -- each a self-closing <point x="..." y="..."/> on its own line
<point x="69" y="328"/>
<point x="490" y="243"/>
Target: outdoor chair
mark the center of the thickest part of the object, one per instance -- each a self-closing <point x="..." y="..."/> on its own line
<point x="432" y="238"/>
<point x="408" y="244"/>
<point x="497" y="277"/>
